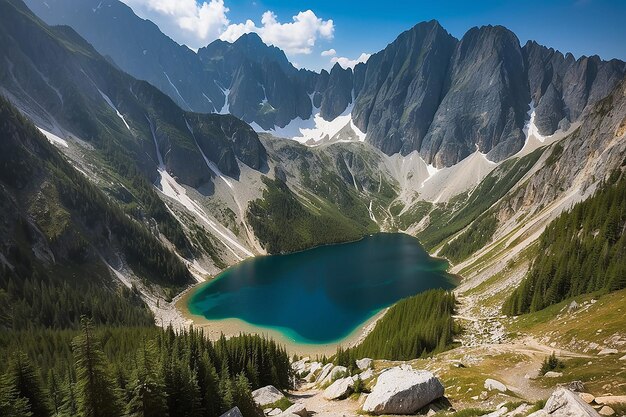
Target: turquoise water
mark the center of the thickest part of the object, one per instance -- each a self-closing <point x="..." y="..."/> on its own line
<point x="321" y="295"/>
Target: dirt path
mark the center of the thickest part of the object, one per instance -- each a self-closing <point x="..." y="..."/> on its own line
<point x="315" y="404"/>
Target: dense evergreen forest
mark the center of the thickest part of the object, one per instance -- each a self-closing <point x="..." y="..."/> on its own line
<point x="283" y="224"/>
<point x="581" y="251"/>
<point x="415" y="327"/>
<point x="134" y="371"/>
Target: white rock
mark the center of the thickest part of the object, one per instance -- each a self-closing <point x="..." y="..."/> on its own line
<point x="611" y="399"/>
<point x="315" y="366"/>
<point x="324" y="372"/>
<point x="301" y="365"/>
<point x="402" y="390"/>
<point x="586" y="397"/>
<point x="606" y="411"/>
<point x="297" y="409"/>
<point x="566" y="403"/>
<point x="339" y="389"/>
<point x="607" y="351"/>
<point x="333" y="374"/>
<point x="267" y="395"/>
<point x="233" y="412"/>
<point x="492" y="384"/>
<point x="499" y="412"/>
<point x="364" y="363"/>
<point x="275" y="412"/>
<point x="552" y="374"/>
<point x="366" y="374"/>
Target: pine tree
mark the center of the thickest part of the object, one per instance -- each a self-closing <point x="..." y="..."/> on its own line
<point x="148" y="397"/>
<point x="97" y="396"/>
<point x="11" y="404"/>
<point x="242" y="397"/>
<point x="28" y="384"/>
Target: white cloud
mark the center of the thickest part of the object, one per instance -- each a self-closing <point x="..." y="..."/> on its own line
<point x="330" y="52"/>
<point x="350" y="63"/>
<point x="186" y="21"/>
<point x="296" y="37"/>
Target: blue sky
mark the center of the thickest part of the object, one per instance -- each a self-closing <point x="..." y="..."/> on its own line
<point x="579" y="26"/>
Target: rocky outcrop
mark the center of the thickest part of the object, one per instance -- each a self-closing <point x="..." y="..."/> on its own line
<point x="267" y="395"/>
<point x="565" y="403"/>
<point x="402" y="390"/>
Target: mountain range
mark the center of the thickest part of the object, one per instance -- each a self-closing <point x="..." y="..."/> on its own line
<point x="426" y="91"/>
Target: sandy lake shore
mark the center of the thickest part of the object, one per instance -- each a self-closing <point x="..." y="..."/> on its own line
<point x="233" y="327"/>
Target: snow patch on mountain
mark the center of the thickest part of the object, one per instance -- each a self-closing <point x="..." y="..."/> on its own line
<point x="176" y="89"/>
<point x="315" y="129"/>
<point x="54" y="139"/>
<point x="169" y="186"/>
<point x="110" y="103"/>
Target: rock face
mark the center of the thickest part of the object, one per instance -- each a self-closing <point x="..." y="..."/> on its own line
<point x="402" y="390"/>
<point x="486" y="68"/>
<point x="565" y="403"/>
<point x="339" y="389"/>
<point x="402" y="88"/>
<point x="267" y="395"/>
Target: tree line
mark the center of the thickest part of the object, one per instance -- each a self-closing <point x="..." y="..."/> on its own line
<point x="415" y="327"/>
<point x="581" y="251"/>
<point x="145" y="371"/>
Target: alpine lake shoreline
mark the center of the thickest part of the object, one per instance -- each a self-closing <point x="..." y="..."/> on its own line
<point x="230" y="327"/>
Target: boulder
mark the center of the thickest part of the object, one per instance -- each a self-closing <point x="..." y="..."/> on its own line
<point x="233" y="412"/>
<point x="324" y="372"/>
<point x="565" y="403"/>
<point x="606" y="411"/>
<point x="552" y="374"/>
<point x="611" y="400"/>
<point x="492" y="384"/>
<point x="334" y="374"/>
<point x="300" y="366"/>
<point x="586" y="397"/>
<point x="573" y="306"/>
<point x="275" y="412"/>
<point x="339" y="389"/>
<point x="297" y="409"/>
<point x="402" y="390"/>
<point x="267" y="395"/>
<point x="367" y="374"/>
<point x="363" y="364"/>
<point x="576" y="386"/>
<point x="607" y="351"/>
<point x="315" y="366"/>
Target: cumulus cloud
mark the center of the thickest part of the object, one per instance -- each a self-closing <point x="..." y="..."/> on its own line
<point x="186" y="21"/>
<point x="350" y="63"/>
<point x="295" y="37"/>
<point x="330" y="52"/>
